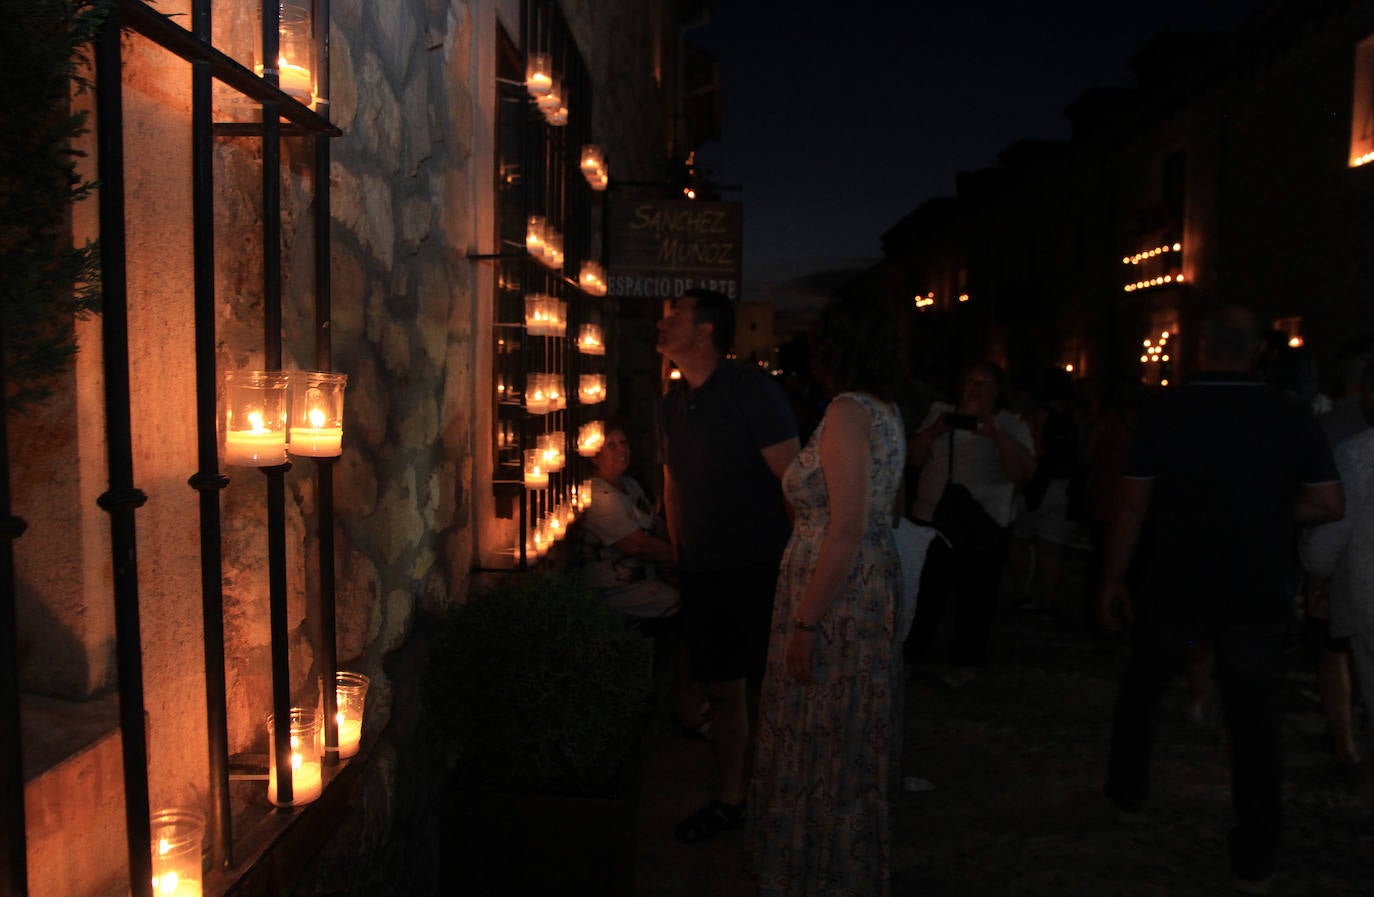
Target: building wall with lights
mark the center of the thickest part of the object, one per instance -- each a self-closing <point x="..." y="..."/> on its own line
<point x="412" y="88"/>
<point x="1234" y="172"/>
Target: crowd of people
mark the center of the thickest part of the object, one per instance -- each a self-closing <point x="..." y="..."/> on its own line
<point x="1210" y="515"/>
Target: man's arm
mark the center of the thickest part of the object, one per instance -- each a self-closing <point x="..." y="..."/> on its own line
<point x="780" y="454"/>
<point x="1114" y="602"/>
<point x="1319" y="503"/>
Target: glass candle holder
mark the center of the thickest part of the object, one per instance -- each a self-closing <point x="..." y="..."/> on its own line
<point x="558" y="317"/>
<point x="350" y="694"/>
<point x="176" y="839"/>
<point x="295" y="51"/>
<point x="591" y="388"/>
<point x="536" y="474"/>
<point x="537" y="393"/>
<point x="535" y="230"/>
<point x="552" y="447"/>
<point x="255" y="418"/>
<point x="317" y="402"/>
<point x="538" y="315"/>
<point x="550" y="100"/>
<point x="307" y="752"/>
<point x="592" y="279"/>
<point x="558" y="399"/>
<point x="589" y="340"/>
<point x="538" y="75"/>
<point x="590" y="437"/>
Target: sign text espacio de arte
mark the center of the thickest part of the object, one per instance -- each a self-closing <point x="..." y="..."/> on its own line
<point x="658" y="248"/>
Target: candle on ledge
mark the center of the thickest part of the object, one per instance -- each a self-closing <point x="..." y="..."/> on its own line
<point x="536" y="474"/>
<point x="590" y="437"/>
<point x="350" y="696"/>
<point x="317" y="414"/>
<point x="538" y="75"/>
<point x="307" y="772"/>
<point x="176" y="846"/>
<point x="589" y="340"/>
<point x="255" y="418"/>
<point x="591" y="388"/>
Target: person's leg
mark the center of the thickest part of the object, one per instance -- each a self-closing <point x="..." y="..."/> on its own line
<point x="978" y="580"/>
<point x="1333" y="684"/>
<point x="937" y="577"/>
<point x="1362" y="660"/>
<point x="1247" y="663"/>
<point x="730" y="730"/>
<point x="1157" y="651"/>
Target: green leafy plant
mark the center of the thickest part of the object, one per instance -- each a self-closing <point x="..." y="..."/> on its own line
<point x="543" y="687"/>
<point x="45" y="281"/>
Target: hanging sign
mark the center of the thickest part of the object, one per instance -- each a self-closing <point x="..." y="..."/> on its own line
<point x="659" y="248"/>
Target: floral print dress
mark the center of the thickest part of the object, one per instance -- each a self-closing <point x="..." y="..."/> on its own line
<point x="818" y="800"/>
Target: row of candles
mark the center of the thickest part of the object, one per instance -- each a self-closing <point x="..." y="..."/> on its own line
<point x="268" y="413"/>
<point x="544" y="392"/>
<point x="544" y="242"/>
<point x="549" y="454"/>
<point x="546" y="89"/>
<point x="593" y="167"/>
<point x="549" y="528"/>
<point x="178" y="834"/>
<point x="547" y="315"/>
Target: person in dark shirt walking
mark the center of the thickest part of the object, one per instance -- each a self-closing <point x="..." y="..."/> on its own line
<point x="1226" y="469"/>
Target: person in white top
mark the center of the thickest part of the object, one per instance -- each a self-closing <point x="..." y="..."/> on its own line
<point x="990" y="452"/>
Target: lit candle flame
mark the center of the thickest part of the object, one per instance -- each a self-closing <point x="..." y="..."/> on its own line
<point x="316" y="416"/>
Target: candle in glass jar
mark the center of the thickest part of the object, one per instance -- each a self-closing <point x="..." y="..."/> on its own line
<point x="350" y="733"/>
<point x="257" y="446"/>
<point x="317" y="441"/>
<point x="307" y="782"/>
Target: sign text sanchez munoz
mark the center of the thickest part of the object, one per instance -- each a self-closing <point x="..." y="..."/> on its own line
<point x="658" y="248"/>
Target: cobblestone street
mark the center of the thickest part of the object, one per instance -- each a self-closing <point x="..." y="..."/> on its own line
<point x="1016" y="759"/>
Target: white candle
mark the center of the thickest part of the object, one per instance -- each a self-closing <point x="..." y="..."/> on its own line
<point x="317" y="442"/>
<point x="537" y="402"/>
<point x="295" y="81"/>
<point x="307" y="782"/>
<point x="258" y="447"/>
<point x="350" y="733"/>
<point x="171" y="885"/>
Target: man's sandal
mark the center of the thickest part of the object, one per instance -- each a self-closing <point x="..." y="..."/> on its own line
<point x="709" y="821"/>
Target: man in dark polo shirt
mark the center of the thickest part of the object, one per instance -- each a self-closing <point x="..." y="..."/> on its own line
<point x="727" y="436"/>
<point x="1219" y="475"/>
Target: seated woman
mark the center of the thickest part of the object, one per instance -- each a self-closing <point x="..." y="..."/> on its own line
<point x="624" y="546"/>
<point x="622" y="542"/>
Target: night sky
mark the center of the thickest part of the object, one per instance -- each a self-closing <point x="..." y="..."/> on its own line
<point x="842" y="117"/>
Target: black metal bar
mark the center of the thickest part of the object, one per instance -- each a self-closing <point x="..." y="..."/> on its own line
<point x="167" y="34"/>
<point x="122" y="498"/>
<point x="329" y="649"/>
<point x="208" y="480"/>
<point x="14" y="855"/>
<point x="279" y="628"/>
<point x="324" y="468"/>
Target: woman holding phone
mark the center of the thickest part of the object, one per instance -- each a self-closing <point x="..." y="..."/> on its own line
<point x="989" y="451"/>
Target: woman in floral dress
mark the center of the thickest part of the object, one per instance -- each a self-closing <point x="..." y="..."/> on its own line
<point x="828" y="726"/>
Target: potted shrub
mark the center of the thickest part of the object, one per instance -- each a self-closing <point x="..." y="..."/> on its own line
<point x="545" y="692"/>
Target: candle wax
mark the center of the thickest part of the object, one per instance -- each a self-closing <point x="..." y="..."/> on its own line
<point x="306" y="783"/>
<point x="350" y="733"/>
<point x="317" y="442"/>
<point x="249" y="449"/>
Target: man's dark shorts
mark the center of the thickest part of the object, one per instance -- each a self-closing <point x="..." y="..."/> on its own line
<point x="727" y="614"/>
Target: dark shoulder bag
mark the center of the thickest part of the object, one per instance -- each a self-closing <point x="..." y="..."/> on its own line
<point x="958" y="515"/>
